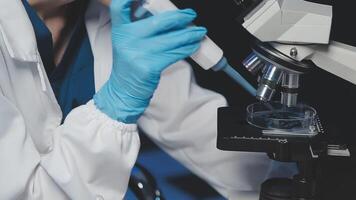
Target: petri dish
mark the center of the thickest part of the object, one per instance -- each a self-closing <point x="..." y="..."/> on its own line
<point x="299" y="119"/>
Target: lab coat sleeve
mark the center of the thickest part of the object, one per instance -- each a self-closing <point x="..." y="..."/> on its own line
<point x="91" y="157"/>
<point x="182" y="120"/>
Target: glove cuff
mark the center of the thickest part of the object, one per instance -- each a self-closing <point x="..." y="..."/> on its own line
<point x="118" y="106"/>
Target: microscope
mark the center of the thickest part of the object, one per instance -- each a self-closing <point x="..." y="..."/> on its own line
<point x="291" y="37"/>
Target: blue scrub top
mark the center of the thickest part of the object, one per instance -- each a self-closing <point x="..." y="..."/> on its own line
<point x="72" y="79"/>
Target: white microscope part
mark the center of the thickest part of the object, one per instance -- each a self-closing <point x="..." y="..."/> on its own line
<point x="209" y="53"/>
<point x="305" y="27"/>
<point x="336" y="58"/>
<point x="290" y="21"/>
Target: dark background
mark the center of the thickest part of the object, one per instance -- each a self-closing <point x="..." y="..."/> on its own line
<point x="333" y="97"/>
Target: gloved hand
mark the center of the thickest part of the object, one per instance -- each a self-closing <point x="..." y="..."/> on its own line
<point x="141" y="51"/>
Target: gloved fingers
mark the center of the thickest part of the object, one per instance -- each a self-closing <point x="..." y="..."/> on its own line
<point x="164" y="22"/>
<point x="176" y="39"/>
<point x="181" y="53"/>
<point x="121" y="11"/>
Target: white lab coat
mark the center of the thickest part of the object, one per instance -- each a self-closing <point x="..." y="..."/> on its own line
<point x="90" y="156"/>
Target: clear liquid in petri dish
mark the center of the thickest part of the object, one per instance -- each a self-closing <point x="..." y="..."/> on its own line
<point x="278" y="116"/>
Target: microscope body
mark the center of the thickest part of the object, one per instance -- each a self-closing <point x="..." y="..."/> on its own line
<point x="291" y="37"/>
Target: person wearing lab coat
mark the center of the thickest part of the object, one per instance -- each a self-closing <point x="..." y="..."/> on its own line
<point x="90" y="153"/>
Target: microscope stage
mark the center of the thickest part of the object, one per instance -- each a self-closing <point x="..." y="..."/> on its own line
<point x="236" y="134"/>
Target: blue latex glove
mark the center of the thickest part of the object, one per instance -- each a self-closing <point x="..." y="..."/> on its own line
<point x="141" y="51"/>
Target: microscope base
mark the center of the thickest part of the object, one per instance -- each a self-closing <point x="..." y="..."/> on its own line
<point x="286" y="189"/>
<point x="277" y="189"/>
<point x="311" y="154"/>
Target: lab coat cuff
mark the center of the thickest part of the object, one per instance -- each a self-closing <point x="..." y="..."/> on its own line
<point x="98" y="115"/>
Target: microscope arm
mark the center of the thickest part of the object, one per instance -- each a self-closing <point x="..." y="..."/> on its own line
<point x="336" y="58"/>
